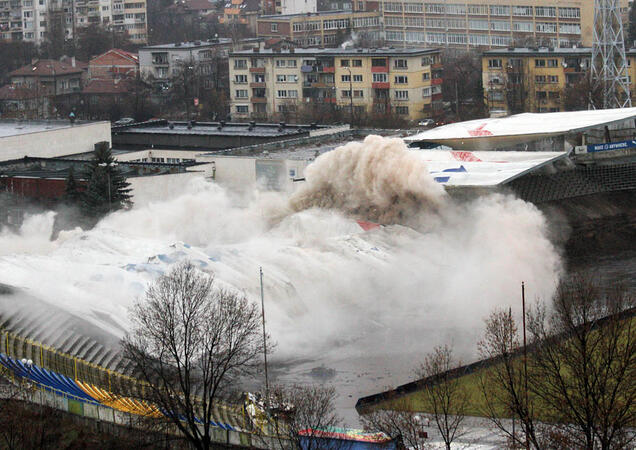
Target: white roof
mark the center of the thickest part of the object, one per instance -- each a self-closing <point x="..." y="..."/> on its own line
<point x="463" y="168"/>
<point x="492" y="133"/>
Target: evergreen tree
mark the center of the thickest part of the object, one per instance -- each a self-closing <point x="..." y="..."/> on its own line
<point x="107" y="189"/>
<point x="72" y="193"/>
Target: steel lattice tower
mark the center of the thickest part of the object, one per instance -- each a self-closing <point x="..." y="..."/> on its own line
<point x="609" y="74"/>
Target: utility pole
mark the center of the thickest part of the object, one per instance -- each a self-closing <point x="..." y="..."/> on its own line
<point x="350" y="96"/>
<point x="264" y="339"/>
<point x="609" y="73"/>
<point x="525" y="361"/>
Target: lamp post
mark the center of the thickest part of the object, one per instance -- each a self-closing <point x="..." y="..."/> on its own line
<point x="350" y="96"/>
<point x="108" y="166"/>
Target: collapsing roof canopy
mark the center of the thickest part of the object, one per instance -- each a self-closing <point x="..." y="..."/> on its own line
<point x="484" y="169"/>
<point x="485" y="134"/>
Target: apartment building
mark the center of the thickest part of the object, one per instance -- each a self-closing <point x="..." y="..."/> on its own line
<point x="534" y="79"/>
<point x="161" y="62"/>
<point x="243" y="13"/>
<point x="32" y="20"/>
<point x="490" y="24"/>
<point x="271" y="83"/>
<point x="324" y="29"/>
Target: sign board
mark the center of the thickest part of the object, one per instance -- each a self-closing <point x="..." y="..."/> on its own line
<point x="611" y="146"/>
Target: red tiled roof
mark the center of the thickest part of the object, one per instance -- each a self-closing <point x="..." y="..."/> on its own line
<point x="69" y="62"/>
<point x="107" y="87"/>
<point x="47" y="67"/>
<point x="13" y="92"/>
<point x="126" y="54"/>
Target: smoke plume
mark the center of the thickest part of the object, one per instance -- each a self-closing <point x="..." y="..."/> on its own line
<point x="378" y="179"/>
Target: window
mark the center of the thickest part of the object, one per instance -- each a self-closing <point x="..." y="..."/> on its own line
<point x="358" y="94"/>
<point x="554" y="95"/>
<point x="400" y="64"/>
<point x="344" y="63"/>
<point x="496" y="96"/>
<point x="380" y="78"/>
<point x="539" y="63"/>
<point x="240" y="64"/>
<point x="494" y="63"/>
<point x="478" y="24"/>
<point x="500" y="25"/>
<point x="242" y="109"/>
<point x="345" y="93"/>
<point x="401" y="79"/>
<point x="541" y="95"/>
<point x="539" y="79"/>
<point x="291" y="63"/>
<point x="281" y="63"/>
<point x="345" y="78"/>
<point x="292" y="93"/>
<point x="426" y="76"/>
<point x="241" y="93"/>
<point x="546" y="27"/>
<point x="258" y="77"/>
<point x="553" y="63"/>
<point x="569" y="28"/>
<point x="522" y="11"/>
<point x="569" y="13"/>
<point x="545" y="11"/>
<point x="525" y="27"/>
<point x="478" y="10"/>
<point x="426" y="92"/>
<point x="496" y="10"/>
<point x="402" y="95"/>
<point x="378" y="62"/>
<point x="274" y="28"/>
<point x="356" y="63"/>
<point x="283" y="93"/>
<point x="28" y="14"/>
<point x="402" y="110"/>
<point x="240" y="79"/>
<point x="553" y="79"/>
<point x="357" y="78"/>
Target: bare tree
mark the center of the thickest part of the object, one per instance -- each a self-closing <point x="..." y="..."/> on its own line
<point x="190" y="341"/>
<point x="398" y="423"/>
<point x="502" y="384"/>
<point x="304" y="413"/>
<point x="584" y="363"/>
<point x="447" y="397"/>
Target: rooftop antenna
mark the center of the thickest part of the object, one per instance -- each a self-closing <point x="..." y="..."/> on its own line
<point x="608" y="72"/>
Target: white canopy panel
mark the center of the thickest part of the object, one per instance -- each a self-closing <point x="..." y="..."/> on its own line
<point x="463" y="168"/>
<point x="497" y="132"/>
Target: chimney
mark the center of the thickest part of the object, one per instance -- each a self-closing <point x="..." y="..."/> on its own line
<point x="73" y="61"/>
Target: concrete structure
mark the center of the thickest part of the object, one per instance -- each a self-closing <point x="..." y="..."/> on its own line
<point x="324" y="29"/>
<point x="207" y="135"/>
<point x="161" y="62"/>
<point x="22" y="102"/>
<point x="298" y="6"/>
<point x="267" y="83"/>
<point x="476" y="23"/>
<point x="33" y="20"/>
<point x="534" y="79"/>
<point x="49" y="139"/>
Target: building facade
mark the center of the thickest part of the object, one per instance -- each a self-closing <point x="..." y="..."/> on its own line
<point x="269" y="83"/>
<point x="324" y="29"/>
<point x="535" y="79"/>
<point x="35" y="20"/>
<point x="490" y="24"/>
<point x="162" y="62"/>
<point x="115" y="63"/>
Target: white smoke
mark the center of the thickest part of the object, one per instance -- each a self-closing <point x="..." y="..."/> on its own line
<point x="330" y="287"/>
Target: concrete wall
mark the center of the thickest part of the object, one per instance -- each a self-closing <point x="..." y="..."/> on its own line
<point x="56" y="142"/>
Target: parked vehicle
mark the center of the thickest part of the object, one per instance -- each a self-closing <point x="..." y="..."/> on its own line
<point x="426" y="123"/>
<point x="125" y="121"/>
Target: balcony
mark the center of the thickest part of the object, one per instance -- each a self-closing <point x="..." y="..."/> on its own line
<point x="380" y="85"/>
<point x="257" y="85"/>
<point x="380" y="69"/>
<point x="257" y="69"/>
<point x="258" y="99"/>
<point x="436" y="81"/>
